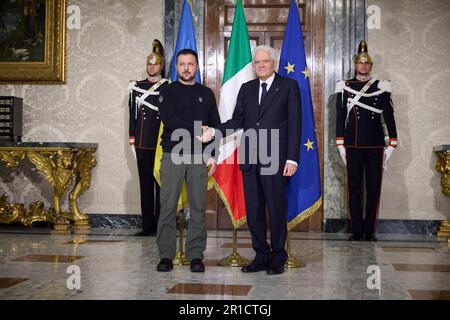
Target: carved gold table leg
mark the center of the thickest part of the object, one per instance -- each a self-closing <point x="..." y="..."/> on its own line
<point x="444" y="229"/>
<point x="443" y="167"/>
<point x="58" y="169"/>
<point x="81" y="220"/>
<point x="85" y="161"/>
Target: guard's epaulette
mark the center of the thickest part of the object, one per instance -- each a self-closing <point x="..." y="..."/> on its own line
<point x="339" y="86"/>
<point x="385" y="85"/>
<point x="131" y="84"/>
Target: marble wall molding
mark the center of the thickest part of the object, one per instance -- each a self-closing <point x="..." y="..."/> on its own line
<point x="385" y="226"/>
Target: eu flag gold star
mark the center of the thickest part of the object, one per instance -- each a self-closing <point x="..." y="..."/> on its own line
<point x="306" y="73"/>
<point x="290" y="68"/>
<point x="309" y="145"/>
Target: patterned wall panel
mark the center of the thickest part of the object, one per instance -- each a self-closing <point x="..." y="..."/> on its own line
<point x="412" y="49"/>
<point x="109" y="50"/>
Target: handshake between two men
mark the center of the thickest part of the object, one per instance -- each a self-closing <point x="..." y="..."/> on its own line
<point x="208" y="134"/>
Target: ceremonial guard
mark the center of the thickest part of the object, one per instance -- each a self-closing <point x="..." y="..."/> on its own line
<point x="143" y="130"/>
<point x="362" y="105"/>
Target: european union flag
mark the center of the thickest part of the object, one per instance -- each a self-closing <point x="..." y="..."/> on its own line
<point x="304" y="194"/>
<point x="185" y="40"/>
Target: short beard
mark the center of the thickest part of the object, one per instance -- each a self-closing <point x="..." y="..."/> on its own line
<point x="187" y="79"/>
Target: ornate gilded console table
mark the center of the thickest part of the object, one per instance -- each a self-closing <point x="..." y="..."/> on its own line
<point x="443" y="167"/>
<point x="62" y="165"/>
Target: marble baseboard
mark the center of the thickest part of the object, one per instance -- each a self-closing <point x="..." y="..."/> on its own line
<point x="115" y="220"/>
<point x="390" y="226"/>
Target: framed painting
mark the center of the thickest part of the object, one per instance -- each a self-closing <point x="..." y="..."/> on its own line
<point x="32" y="41"/>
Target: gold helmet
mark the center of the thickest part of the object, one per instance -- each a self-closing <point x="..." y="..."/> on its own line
<point x="363" y="55"/>
<point x="157" y="55"/>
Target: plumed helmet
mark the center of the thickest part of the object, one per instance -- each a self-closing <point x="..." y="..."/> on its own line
<point x="363" y="55"/>
<point x="157" y="55"/>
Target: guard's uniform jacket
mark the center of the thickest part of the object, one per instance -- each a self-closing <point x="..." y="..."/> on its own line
<point x="144" y="128"/>
<point x="360" y="107"/>
<point x="144" y="114"/>
<point x="362" y="128"/>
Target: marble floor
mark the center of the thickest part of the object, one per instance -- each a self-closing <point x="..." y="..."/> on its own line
<point x="113" y="264"/>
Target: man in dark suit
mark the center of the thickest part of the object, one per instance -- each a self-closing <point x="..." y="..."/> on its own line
<point x="269" y="110"/>
<point x="143" y="130"/>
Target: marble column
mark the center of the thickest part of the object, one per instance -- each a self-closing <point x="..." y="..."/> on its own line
<point x="345" y="26"/>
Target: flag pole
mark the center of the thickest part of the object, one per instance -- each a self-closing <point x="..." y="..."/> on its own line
<point x="180" y="257"/>
<point x="292" y="262"/>
<point x="234" y="259"/>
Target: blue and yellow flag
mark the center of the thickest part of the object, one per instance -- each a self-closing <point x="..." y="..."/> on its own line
<point x="304" y="192"/>
<point x="185" y="40"/>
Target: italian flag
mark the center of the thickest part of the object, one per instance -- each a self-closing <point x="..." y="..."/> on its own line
<point x="238" y="70"/>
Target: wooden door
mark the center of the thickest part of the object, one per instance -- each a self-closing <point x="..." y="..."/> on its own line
<point x="266" y="22"/>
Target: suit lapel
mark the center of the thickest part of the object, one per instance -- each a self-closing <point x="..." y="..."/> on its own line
<point x="271" y="94"/>
<point x="255" y="98"/>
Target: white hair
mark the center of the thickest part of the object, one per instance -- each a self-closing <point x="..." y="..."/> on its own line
<point x="268" y="49"/>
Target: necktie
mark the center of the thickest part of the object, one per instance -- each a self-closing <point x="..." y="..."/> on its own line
<point x="264" y="92"/>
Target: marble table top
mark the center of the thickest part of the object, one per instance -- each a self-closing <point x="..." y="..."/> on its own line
<point x="8" y="144"/>
<point x="443" y="147"/>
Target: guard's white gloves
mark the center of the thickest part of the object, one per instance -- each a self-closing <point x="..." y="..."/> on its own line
<point x="133" y="151"/>
<point x="341" y="150"/>
<point x="387" y="154"/>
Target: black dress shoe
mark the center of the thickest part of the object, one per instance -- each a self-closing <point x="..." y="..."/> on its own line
<point x="197" y="265"/>
<point x="277" y="270"/>
<point x="355" y="237"/>
<point x="253" y="267"/>
<point x="164" y="265"/>
<point x="370" y="237"/>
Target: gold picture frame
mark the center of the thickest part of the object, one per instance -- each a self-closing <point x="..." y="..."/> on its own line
<point x="46" y="59"/>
